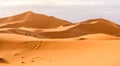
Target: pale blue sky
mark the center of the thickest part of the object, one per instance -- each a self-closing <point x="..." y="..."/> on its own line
<point x="71" y="10"/>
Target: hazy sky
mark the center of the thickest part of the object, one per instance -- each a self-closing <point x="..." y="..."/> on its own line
<point x="71" y="10"/>
<point x="58" y="2"/>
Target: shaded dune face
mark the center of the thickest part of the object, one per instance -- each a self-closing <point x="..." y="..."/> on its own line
<point x="32" y="20"/>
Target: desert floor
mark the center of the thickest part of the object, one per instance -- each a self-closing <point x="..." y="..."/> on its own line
<point x="60" y="53"/>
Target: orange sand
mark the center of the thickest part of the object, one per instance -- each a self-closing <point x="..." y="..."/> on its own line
<point x="31" y="39"/>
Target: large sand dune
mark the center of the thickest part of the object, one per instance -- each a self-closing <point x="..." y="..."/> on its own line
<point x="87" y="27"/>
<point x="99" y="26"/>
<point x="25" y="41"/>
<point x="32" y="20"/>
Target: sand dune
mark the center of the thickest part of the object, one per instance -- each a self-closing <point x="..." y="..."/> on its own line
<point x="25" y="41"/>
<point x="99" y="26"/>
<point x="88" y="27"/>
<point x="35" y="24"/>
<point x="15" y="19"/>
<point x="32" y="20"/>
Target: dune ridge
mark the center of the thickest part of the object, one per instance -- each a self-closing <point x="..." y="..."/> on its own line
<point x="32" y="20"/>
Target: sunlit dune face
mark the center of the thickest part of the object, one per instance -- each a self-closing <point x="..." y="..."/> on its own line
<point x="94" y="22"/>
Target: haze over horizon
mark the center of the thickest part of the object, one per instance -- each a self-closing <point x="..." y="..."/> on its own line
<point x="71" y="10"/>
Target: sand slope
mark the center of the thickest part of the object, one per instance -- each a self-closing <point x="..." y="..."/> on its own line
<point x="23" y="31"/>
<point x="99" y="36"/>
<point x="99" y="26"/>
<point x="62" y="52"/>
<point x="32" y="20"/>
<point x="88" y="27"/>
<point x="15" y="37"/>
